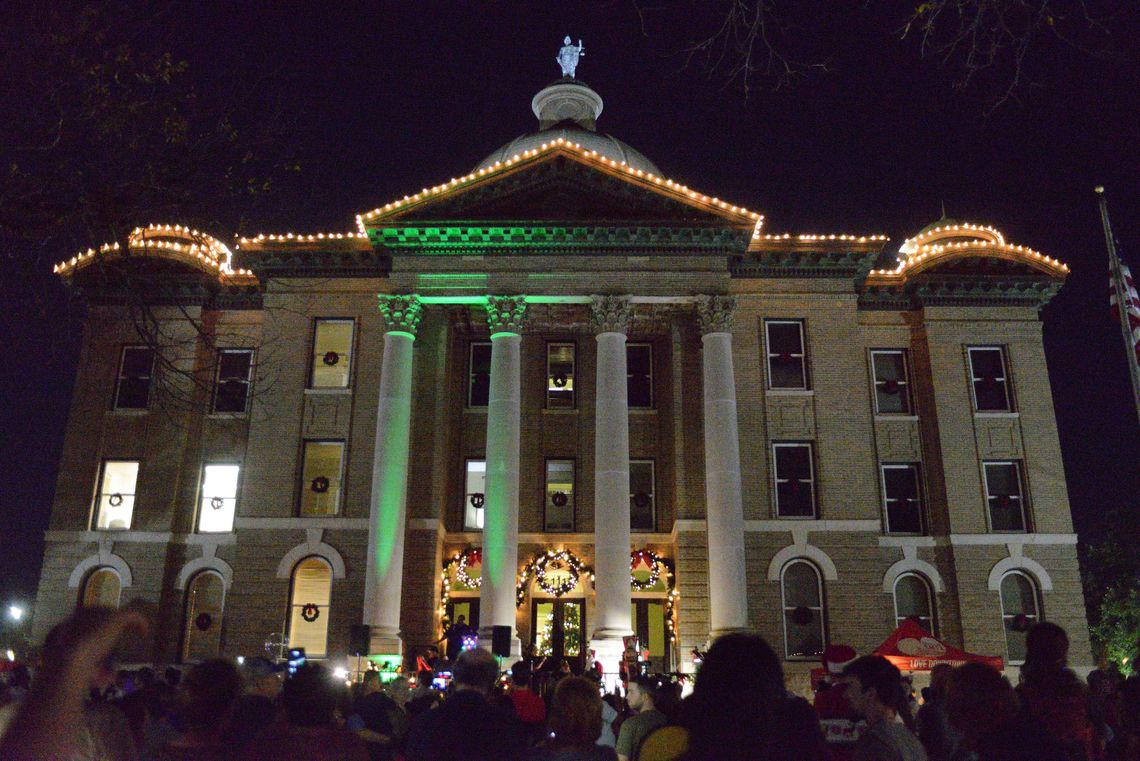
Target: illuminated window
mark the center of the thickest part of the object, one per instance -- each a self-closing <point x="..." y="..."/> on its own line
<point x="560" y="376"/>
<point x="218" y="498"/>
<point x="801" y="593"/>
<point x="639" y="374"/>
<point x="988" y="379"/>
<point x="136" y="370"/>
<point x="902" y="498"/>
<point x="913" y="600"/>
<point x="892" y="386"/>
<point x="321" y="475"/>
<point x="115" y="496"/>
<point x="641" y="497"/>
<point x="478" y="374"/>
<point x="474" y="494"/>
<point x="1019" y="612"/>
<point x="202" y="624"/>
<point x="795" y="480"/>
<point x="1004" y="496"/>
<point x="787" y="367"/>
<point x="559" y="495"/>
<point x="102" y="589"/>
<point x="231" y="386"/>
<point x="309" y="606"/>
<point x="332" y="354"/>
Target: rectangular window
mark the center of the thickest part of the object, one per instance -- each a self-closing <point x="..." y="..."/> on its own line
<point x="560" y="376"/>
<point x="988" y="379"/>
<point x="639" y="374"/>
<point x="642" y="501"/>
<point x="479" y="374"/>
<point x="115" y="496"/>
<point x="218" y="498"/>
<point x="332" y="354"/>
<point x="231" y="384"/>
<point x="787" y="367"/>
<point x="321" y="475"/>
<point x="559" y="495"/>
<point x="1004" y="495"/>
<point x="795" y="480"/>
<point x="902" y="498"/>
<point x="892" y="386"/>
<point x="136" y="370"/>
<point x="474" y="494"/>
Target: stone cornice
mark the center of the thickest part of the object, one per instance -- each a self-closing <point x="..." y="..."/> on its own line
<point x="948" y="290"/>
<point x="804" y="262"/>
<point x="289" y="259"/>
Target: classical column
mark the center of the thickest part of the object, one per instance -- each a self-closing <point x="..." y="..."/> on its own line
<point x="728" y="598"/>
<point x="383" y="581"/>
<point x="501" y="498"/>
<point x="611" y="316"/>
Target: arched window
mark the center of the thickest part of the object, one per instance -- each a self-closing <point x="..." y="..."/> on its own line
<point x="801" y="592"/>
<point x="102" y="589"/>
<point x="914" y="600"/>
<point x="1019" y="612"/>
<point x="202" y="626"/>
<point x="309" y="606"/>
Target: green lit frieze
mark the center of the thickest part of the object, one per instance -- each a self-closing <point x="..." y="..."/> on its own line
<point x="521" y="239"/>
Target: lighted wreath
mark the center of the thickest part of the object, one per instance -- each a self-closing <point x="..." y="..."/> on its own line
<point x="310" y="612"/>
<point x="559" y="499"/>
<point x="320" y="485"/>
<point x="216" y="503"/>
<point x="115" y="499"/>
<point x="542" y="564"/>
<point x="330" y="358"/>
<point x="650" y="559"/>
<point x="204" y="621"/>
<point x="468" y="558"/>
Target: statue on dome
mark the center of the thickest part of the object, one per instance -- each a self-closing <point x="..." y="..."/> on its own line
<point x="568" y="56"/>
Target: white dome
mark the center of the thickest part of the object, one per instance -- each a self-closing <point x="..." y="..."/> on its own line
<point x="607" y="145"/>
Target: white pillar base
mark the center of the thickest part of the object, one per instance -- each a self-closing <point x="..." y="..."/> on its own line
<point x="609" y="651"/>
<point x="385" y="640"/>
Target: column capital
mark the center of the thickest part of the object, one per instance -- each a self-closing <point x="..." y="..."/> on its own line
<point x="715" y="313"/>
<point x="402" y="313"/>
<point x="505" y="314"/>
<point x="611" y="314"/>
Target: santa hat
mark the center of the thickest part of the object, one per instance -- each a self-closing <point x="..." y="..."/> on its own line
<point x="836" y="658"/>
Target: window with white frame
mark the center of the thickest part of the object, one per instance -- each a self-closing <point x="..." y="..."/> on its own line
<point x="332" y="353"/>
<point x="988" y="379"/>
<point x="478" y="373"/>
<point x="560" y="376"/>
<point x="232" y="381"/>
<point x="642" y="500"/>
<point x="787" y="365"/>
<point x="217" y="500"/>
<point x="474" y="494"/>
<point x="1019" y="612"/>
<point x="902" y="498"/>
<point x="794" y="473"/>
<point x="559" y="495"/>
<point x="801" y="593"/>
<point x="136" y="371"/>
<point x="309" y="601"/>
<point x="102" y="589"/>
<point x="1005" y="496"/>
<point x="639" y="375"/>
<point x="321" y="473"/>
<point x="913" y="600"/>
<point x="892" y="383"/>
<point x="202" y="617"/>
<point x="115" y="495"/>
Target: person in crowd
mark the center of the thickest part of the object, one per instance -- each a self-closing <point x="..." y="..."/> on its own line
<point x="932" y="723"/>
<point x="454" y="636"/>
<point x="840" y="725"/>
<point x="255" y="713"/>
<point x="876" y="693"/>
<point x="982" y="707"/>
<point x="1053" y="696"/>
<point x="575" y="721"/>
<point x="527" y="705"/>
<point x="377" y="719"/>
<point x="739" y="705"/>
<point x="206" y="698"/>
<point x="172" y="676"/>
<point x="1126" y="744"/>
<point x="1103" y="685"/>
<point x="424" y="697"/>
<point x="466" y="725"/>
<point x="642" y="699"/>
<point x="310" y="697"/>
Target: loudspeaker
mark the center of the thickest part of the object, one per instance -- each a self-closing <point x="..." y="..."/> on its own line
<point x="359" y="639"/>
<point x="501" y="641"/>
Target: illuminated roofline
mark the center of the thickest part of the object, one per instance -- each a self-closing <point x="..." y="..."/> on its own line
<point x="198" y="249"/>
<point x="932" y="254"/>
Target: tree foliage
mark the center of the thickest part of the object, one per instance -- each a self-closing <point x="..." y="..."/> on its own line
<point x="1111" y="575"/>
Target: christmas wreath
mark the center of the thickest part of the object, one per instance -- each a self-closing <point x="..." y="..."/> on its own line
<point x="478" y="500"/>
<point x="310" y="612"/>
<point x="216" y="503"/>
<point x="320" y="485"/>
<point x="651" y="560"/>
<point x="1021" y="623"/>
<point x="560" y="380"/>
<point x="891" y="387"/>
<point x="471" y="557"/>
<point x="204" y="621"/>
<point x="641" y="499"/>
<point x="574" y="569"/>
<point x="115" y="500"/>
<point x="330" y="358"/>
<point x="785" y="358"/>
<point x="559" y="499"/>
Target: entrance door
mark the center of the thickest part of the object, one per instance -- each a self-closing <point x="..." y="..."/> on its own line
<point x="558" y="631"/>
<point x="649" y="626"/>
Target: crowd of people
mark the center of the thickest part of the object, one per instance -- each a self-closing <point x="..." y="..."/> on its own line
<point x="76" y="707"/>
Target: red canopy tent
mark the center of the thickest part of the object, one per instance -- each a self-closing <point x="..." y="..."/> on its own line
<point x="912" y="648"/>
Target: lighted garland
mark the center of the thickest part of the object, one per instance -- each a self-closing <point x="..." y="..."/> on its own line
<point x="657" y="566"/>
<point x="651" y="559"/>
<point x="466" y="558"/>
<point x="537" y="569"/>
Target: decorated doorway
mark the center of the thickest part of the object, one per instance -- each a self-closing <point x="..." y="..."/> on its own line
<point x="558" y="631"/>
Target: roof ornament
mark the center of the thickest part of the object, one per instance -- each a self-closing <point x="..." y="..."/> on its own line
<point x="568" y="56"/>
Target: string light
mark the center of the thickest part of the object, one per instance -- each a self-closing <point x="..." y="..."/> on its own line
<point x="658" y="566"/>
<point x="538" y="569"/>
<point x="173" y="241"/>
<point x="958" y="240"/>
<point x="302" y="238"/>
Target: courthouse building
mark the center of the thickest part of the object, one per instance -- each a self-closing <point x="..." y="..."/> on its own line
<point x="565" y="394"/>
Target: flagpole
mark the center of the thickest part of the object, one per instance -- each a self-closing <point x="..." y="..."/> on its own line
<point x="1122" y="301"/>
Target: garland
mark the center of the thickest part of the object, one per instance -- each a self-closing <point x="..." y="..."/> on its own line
<point x="537" y="568"/>
<point x="464" y="559"/>
<point x="468" y="558"/>
<point x="657" y="566"/>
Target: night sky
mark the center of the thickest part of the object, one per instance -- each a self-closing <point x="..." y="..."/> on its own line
<point x="391" y="97"/>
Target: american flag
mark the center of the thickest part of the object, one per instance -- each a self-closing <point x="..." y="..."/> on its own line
<point x="1132" y="302"/>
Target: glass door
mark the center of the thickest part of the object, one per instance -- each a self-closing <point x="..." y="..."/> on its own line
<point x="557" y="631"/>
